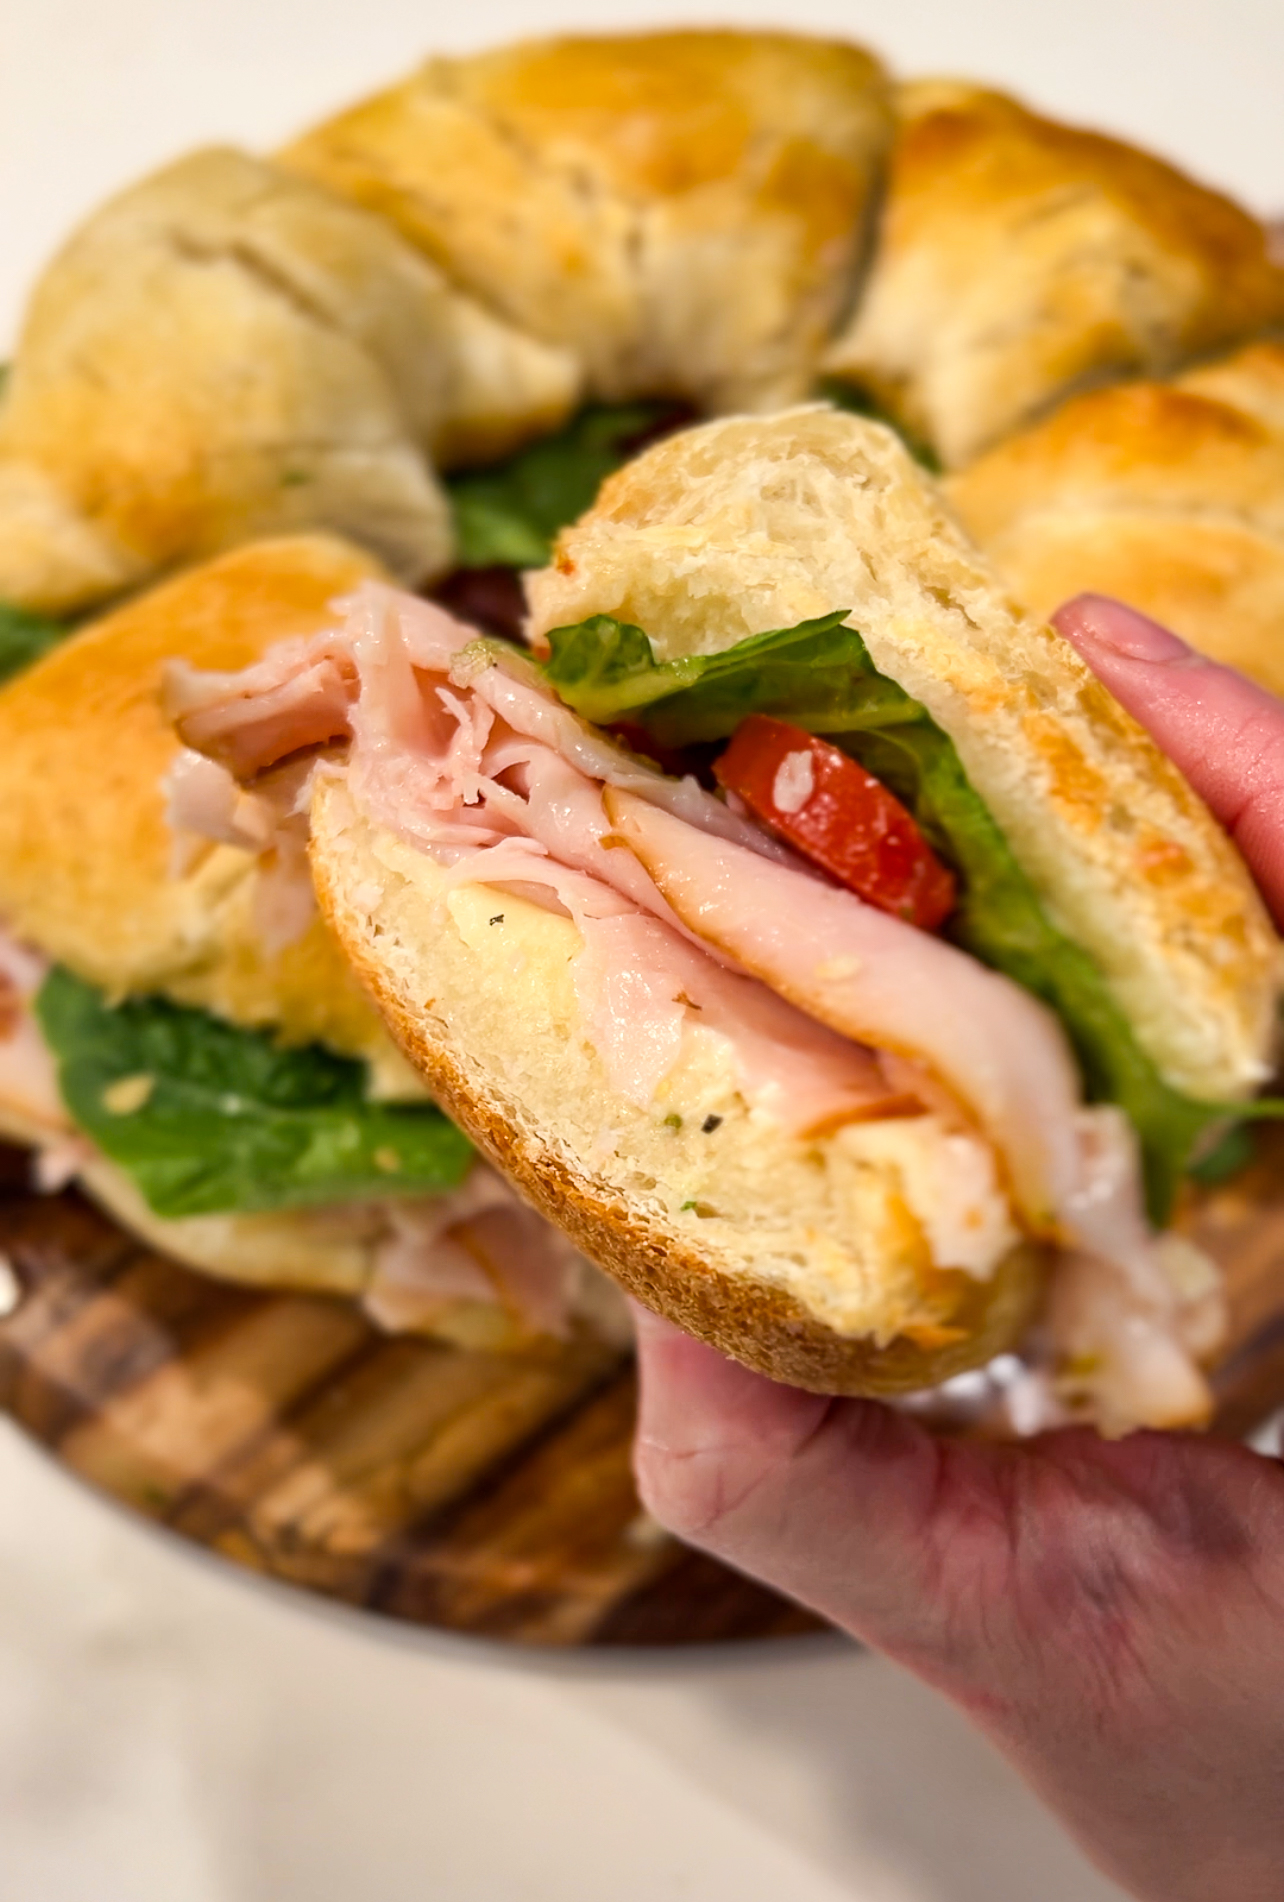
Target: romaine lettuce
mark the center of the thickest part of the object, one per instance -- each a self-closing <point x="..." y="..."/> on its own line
<point x="207" y="1118"/>
<point x="509" y="514"/>
<point x="24" y="638"/>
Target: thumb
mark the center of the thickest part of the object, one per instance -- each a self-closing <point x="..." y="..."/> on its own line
<point x="830" y="1500"/>
<point x="1223" y="733"/>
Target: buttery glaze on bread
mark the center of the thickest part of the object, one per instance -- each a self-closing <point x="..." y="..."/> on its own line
<point x="85" y="853"/>
<point x="226" y="351"/>
<point x="684" y="210"/>
<point x="799" y="1256"/>
<point x="1169" y="496"/>
<point x="749" y="524"/>
<point x="1020" y="258"/>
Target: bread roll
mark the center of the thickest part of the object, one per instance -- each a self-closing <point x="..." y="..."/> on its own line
<point x="87" y="878"/>
<point x="1169" y="496"/>
<point x="1019" y="259"/>
<point x="686" y="211"/>
<point x="745" y="525"/>
<point x="86" y="855"/>
<point x="225" y="351"/>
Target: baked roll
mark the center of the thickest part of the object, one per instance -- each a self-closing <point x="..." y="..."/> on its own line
<point x="769" y="1097"/>
<point x="1019" y="259"/>
<point x="111" y="915"/>
<point x="1169" y="496"/>
<point x="686" y="211"/>
<point x="226" y="351"/>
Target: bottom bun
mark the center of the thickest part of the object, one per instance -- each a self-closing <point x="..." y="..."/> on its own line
<point x="821" y="1277"/>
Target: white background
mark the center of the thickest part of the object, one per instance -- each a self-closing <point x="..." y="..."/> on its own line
<point x="173" y="1732"/>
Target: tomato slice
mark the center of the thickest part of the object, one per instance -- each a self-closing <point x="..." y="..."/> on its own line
<point x="839" y="816"/>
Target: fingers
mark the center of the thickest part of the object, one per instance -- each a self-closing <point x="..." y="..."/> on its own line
<point x="1222" y="732"/>
<point x="832" y="1501"/>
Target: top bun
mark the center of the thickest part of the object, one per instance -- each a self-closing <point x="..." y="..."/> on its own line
<point x="86" y="857"/>
<point x="224" y="351"/>
<point x="685" y="210"/>
<point x="749" y="524"/>
<point x="1169" y="496"/>
<point x="1019" y="258"/>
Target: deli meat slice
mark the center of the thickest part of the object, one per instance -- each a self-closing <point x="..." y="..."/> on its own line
<point x="31" y="1106"/>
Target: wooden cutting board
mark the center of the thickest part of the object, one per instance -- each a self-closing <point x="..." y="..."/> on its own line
<point x="480" y="1493"/>
<point x="474" y="1492"/>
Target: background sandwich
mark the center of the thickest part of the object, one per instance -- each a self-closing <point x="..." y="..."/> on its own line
<point x="1169" y="496"/>
<point x="180" y="1031"/>
<point x="860" y="1124"/>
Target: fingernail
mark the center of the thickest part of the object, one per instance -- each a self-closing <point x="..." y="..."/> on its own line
<point x="1094" y="620"/>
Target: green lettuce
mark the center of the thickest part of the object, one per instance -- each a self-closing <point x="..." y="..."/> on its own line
<point x="819" y="676"/>
<point x="24" y="638"/>
<point x="508" y="515"/>
<point x="205" y="1118"/>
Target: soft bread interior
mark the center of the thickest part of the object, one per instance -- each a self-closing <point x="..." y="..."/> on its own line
<point x="749" y="524"/>
<point x="819" y="1260"/>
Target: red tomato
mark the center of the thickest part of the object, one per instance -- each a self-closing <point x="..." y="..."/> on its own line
<point x="839" y="816"/>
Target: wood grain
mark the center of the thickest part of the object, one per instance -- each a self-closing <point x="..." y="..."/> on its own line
<point x="478" y="1493"/>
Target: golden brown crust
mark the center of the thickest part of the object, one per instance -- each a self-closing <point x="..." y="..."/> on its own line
<point x="226" y="351"/>
<point x="1166" y="495"/>
<point x="755" y="523"/>
<point x="85" y="853"/>
<point x="686" y="210"/>
<point x="756" y="1322"/>
<point x="1019" y="258"/>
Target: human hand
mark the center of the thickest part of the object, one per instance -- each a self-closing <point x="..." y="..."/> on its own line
<point x="1110" y="1614"/>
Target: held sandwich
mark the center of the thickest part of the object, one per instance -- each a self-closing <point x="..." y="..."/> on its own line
<point x="806" y="932"/>
<point x="178" y="1029"/>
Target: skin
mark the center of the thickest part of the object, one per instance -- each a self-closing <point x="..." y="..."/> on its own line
<point x="1110" y="1615"/>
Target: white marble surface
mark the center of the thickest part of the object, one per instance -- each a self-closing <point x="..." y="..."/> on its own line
<point x="173" y="1732"/>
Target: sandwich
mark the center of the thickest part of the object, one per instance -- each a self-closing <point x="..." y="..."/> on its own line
<point x="237" y="346"/>
<point x="224" y="352"/>
<point x="1019" y="260"/>
<point x="179" y="1032"/>
<point x="802" y="928"/>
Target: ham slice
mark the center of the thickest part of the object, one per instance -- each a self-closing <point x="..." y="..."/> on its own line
<point x="875" y="980"/>
<point x="31" y="1105"/>
<point x="480" y="1244"/>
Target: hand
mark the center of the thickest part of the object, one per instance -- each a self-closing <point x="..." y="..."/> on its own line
<point x="1110" y="1614"/>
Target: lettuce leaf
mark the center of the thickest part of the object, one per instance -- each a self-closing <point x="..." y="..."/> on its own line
<point x="509" y="514"/>
<point x="819" y="676"/>
<point x="859" y="402"/>
<point x="24" y="637"/>
<point x="205" y="1118"/>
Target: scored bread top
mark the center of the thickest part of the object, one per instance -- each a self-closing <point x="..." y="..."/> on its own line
<point x="749" y="524"/>
<point x="685" y="210"/>
<point x="1169" y="496"/>
<point x="1020" y="258"/>
<point x="85" y="852"/>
